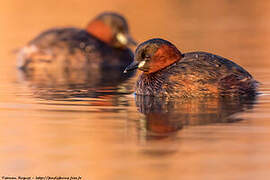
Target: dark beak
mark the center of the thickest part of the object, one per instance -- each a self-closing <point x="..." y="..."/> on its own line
<point x="132" y="66"/>
<point x="131" y="41"/>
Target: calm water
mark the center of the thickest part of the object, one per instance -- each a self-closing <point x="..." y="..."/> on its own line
<point x="65" y="130"/>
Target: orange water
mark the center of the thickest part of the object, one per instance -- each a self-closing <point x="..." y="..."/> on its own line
<point x="115" y="136"/>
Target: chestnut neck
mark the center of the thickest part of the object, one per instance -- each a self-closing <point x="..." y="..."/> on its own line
<point x="100" y="30"/>
<point x="164" y="57"/>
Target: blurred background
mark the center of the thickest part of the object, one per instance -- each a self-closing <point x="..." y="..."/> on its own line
<point x="106" y="138"/>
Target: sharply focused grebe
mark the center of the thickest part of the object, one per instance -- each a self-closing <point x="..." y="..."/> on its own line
<point x="168" y="72"/>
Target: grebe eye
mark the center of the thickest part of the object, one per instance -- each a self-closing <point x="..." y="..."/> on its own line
<point x="143" y="55"/>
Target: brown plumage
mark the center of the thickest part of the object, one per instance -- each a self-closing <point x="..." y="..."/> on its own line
<point x="99" y="50"/>
<point x="94" y="56"/>
<point x="167" y="72"/>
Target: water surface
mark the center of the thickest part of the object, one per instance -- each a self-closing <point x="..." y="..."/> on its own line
<point x="108" y="133"/>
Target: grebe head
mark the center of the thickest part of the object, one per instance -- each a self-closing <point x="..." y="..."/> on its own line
<point x="154" y="55"/>
<point x="112" y="29"/>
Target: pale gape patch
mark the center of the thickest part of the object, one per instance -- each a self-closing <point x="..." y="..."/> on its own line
<point x="121" y="38"/>
<point x="141" y="64"/>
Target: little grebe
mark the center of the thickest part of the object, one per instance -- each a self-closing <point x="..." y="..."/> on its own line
<point x="103" y="45"/>
<point x="167" y="72"/>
